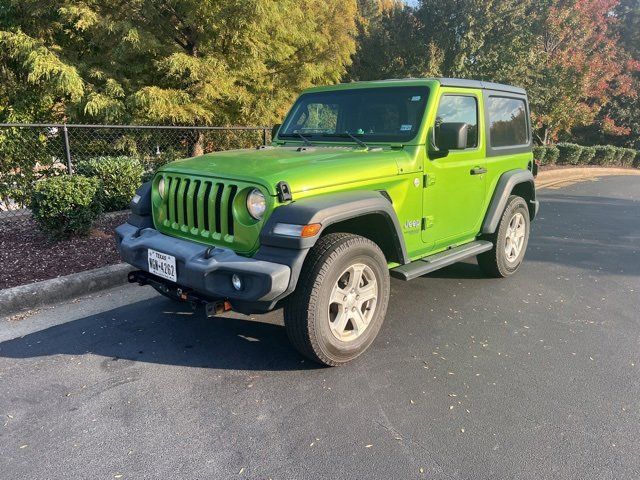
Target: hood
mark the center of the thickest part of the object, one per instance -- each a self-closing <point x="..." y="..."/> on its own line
<point x="303" y="169"/>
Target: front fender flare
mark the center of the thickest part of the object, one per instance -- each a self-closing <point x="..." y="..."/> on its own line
<point x="329" y="209"/>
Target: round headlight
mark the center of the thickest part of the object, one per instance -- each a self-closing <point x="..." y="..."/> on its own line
<point x="161" y="187"/>
<point x="256" y="204"/>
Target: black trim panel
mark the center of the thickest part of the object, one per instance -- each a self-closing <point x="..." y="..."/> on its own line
<point x="505" y="186"/>
<point x="463" y="83"/>
<point x="143" y="206"/>
<point x="330" y="209"/>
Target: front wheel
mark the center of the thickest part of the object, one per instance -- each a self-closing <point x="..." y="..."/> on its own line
<point x="340" y="301"/>
<point x="509" y="241"/>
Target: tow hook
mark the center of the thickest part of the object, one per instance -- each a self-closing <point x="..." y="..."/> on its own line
<point x="217" y="308"/>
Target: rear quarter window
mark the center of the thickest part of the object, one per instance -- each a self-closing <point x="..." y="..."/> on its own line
<point x="507" y="122"/>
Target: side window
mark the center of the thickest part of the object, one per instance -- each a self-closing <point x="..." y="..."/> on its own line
<point x="507" y="122"/>
<point x="317" y="118"/>
<point x="460" y="108"/>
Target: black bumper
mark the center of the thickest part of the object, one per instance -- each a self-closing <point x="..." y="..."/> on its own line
<point x="208" y="270"/>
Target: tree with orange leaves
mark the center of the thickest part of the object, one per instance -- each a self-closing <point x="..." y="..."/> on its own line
<point x="578" y="65"/>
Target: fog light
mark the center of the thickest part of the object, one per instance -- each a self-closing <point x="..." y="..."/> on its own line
<point x="236" y="281"/>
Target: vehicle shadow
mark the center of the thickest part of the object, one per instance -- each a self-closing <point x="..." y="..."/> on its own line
<point x="599" y="234"/>
<point x="155" y="331"/>
<point x="593" y="233"/>
<point x="467" y="269"/>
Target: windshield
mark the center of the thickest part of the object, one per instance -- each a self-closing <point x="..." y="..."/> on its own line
<point x="388" y="114"/>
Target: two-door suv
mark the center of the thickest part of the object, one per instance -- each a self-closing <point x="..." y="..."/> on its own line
<point x="362" y="180"/>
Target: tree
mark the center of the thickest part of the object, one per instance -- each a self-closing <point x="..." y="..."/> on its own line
<point x="171" y="61"/>
<point x="579" y="65"/>
<point x="567" y="53"/>
<point x="619" y="120"/>
<point x="388" y="44"/>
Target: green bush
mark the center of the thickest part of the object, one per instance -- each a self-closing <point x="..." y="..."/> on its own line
<point x="587" y="155"/>
<point x="551" y="155"/>
<point x="629" y="154"/>
<point x="539" y="154"/>
<point x="617" y="157"/>
<point x="604" y="155"/>
<point x="119" y="178"/>
<point x="569" y="153"/>
<point x="65" y="206"/>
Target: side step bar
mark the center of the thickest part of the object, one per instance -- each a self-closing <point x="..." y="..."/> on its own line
<point x="431" y="263"/>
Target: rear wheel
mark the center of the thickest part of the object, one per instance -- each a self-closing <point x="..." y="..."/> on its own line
<point x="509" y="241"/>
<point x="341" y="299"/>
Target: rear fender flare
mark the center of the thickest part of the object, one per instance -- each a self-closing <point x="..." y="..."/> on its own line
<point x="506" y="185"/>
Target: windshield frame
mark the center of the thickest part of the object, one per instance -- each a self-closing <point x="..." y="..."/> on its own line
<point x="422" y="90"/>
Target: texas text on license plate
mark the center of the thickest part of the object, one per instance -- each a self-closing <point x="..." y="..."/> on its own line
<point x="162" y="265"/>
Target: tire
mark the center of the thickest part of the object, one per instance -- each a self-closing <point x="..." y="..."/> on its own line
<point x="340" y="301"/>
<point x="497" y="262"/>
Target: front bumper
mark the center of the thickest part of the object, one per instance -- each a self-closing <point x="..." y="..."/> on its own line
<point x="207" y="270"/>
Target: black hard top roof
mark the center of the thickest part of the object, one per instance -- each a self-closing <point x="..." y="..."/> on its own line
<point x="461" y="82"/>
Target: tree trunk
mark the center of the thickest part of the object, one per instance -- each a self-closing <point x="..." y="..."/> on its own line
<point x="197" y="144"/>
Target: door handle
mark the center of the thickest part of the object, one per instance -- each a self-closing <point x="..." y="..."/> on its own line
<point x="478" y="171"/>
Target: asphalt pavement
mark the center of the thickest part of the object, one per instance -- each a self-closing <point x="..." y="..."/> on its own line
<point x="532" y="377"/>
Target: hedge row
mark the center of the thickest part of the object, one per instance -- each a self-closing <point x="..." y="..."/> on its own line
<point x="67" y="205"/>
<point x="573" y="154"/>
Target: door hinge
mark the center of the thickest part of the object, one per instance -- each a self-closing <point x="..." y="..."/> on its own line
<point x="428" y="179"/>
<point x="427" y="222"/>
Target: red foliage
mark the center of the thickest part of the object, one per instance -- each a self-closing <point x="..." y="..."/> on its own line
<point x="579" y="39"/>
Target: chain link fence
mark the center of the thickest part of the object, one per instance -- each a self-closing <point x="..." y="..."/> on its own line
<point x="30" y="152"/>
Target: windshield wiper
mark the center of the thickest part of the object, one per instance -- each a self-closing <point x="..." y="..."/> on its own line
<point x="306" y="141"/>
<point x="347" y="134"/>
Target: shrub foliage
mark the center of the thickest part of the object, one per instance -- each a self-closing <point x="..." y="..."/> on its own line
<point x="569" y="153"/>
<point x="551" y="155"/>
<point x="587" y="155"/>
<point x="539" y="153"/>
<point x="65" y="206"/>
<point x="604" y="155"/>
<point x="119" y="178"/>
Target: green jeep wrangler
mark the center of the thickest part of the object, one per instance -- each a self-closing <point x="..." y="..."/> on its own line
<point x="362" y="181"/>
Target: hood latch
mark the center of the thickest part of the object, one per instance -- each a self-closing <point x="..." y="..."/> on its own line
<point x="284" y="192"/>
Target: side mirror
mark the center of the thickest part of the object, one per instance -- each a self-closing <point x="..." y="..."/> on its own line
<point x="274" y="130"/>
<point x="452" y="136"/>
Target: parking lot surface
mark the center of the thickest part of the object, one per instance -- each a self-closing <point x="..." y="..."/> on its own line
<point x="532" y="377"/>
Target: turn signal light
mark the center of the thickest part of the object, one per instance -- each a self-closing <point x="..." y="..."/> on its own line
<point x="291" y="230"/>
<point x="310" y="230"/>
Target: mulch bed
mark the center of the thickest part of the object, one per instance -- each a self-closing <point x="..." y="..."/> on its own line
<point x="27" y="255"/>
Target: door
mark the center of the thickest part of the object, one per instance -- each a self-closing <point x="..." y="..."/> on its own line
<point x="455" y="184"/>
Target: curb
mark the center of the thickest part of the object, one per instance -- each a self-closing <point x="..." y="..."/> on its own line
<point x="554" y="177"/>
<point x="60" y="289"/>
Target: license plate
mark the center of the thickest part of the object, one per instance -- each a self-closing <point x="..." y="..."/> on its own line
<point x="162" y="265"/>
